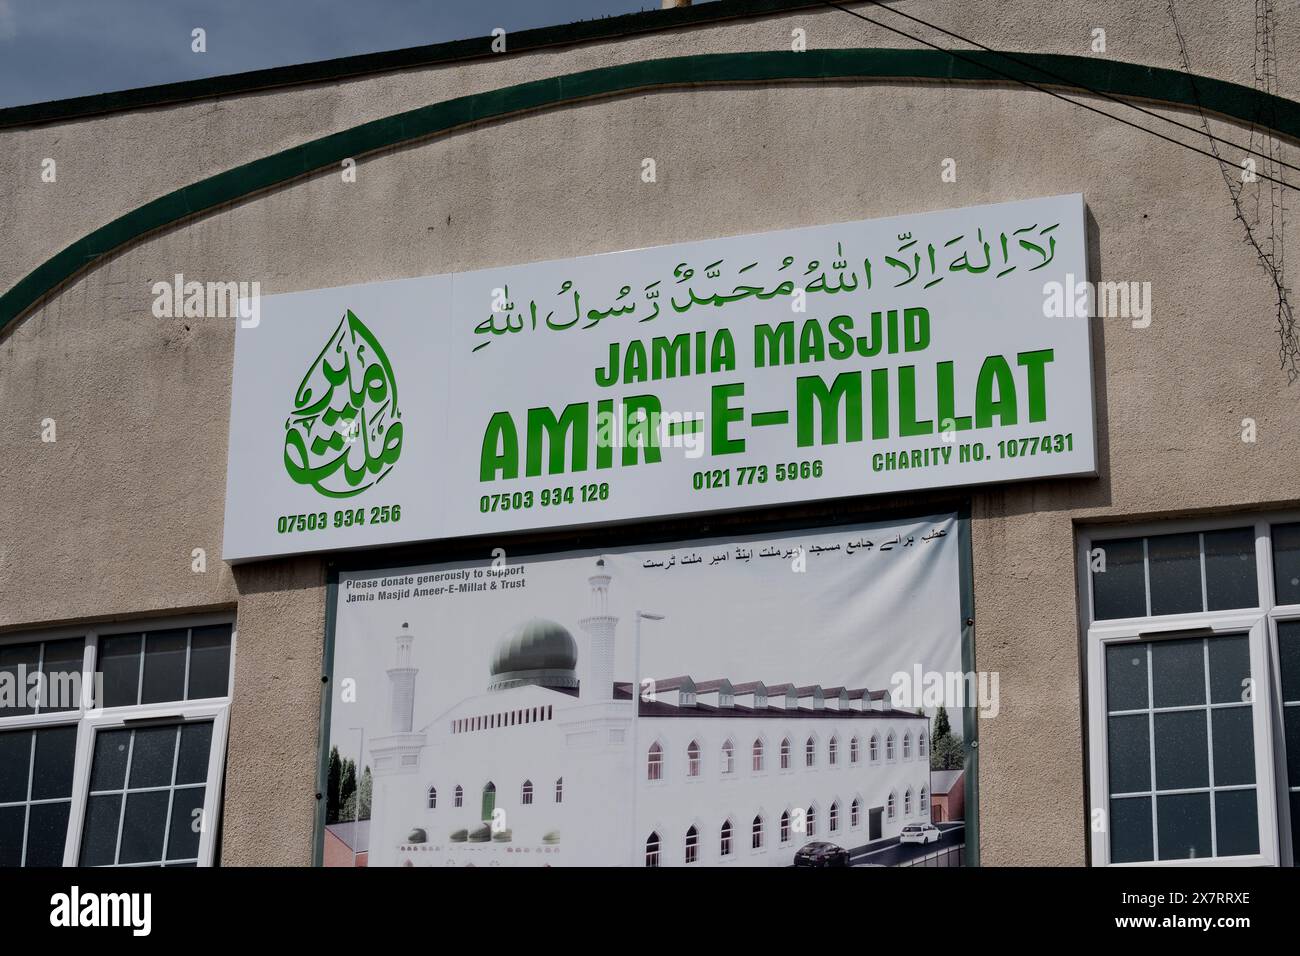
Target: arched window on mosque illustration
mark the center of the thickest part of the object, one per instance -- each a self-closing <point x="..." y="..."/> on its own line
<point x="654" y="767"/>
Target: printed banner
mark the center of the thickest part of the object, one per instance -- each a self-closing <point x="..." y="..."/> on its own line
<point x="831" y="361"/>
<point x="483" y="714"/>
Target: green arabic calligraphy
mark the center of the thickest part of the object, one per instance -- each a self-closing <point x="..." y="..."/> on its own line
<point x="924" y="261"/>
<point x="343" y="434"/>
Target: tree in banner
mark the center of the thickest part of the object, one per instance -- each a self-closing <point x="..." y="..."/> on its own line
<point x="349" y="809"/>
<point x="347" y="787"/>
<point x="946" y="751"/>
<point x="333" y="779"/>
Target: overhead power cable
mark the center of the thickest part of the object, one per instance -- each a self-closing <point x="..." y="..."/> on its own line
<point x="958" y="55"/>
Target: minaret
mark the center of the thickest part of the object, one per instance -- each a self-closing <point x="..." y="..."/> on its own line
<point x="401" y="685"/>
<point x="396" y="803"/>
<point x="598" y="684"/>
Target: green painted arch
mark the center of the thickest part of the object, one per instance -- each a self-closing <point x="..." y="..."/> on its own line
<point x="1230" y="100"/>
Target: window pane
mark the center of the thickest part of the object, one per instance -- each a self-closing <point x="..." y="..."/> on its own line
<point x="1236" y="822"/>
<point x="15" y="758"/>
<point x="56" y="748"/>
<point x="196" y="740"/>
<point x="1175" y="573"/>
<point x="1130" y="754"/>
<point x="61" y="670"/>
<point x="1230" y="579"/>
<point x="1178" y="672"/>
<point x="1234" y="746"/>
<point x="19" y="662"/>
<point x="183" y="839"/>
<point x="119" y="662"/>
<point x="47" y="831"/>
<point x="210" y="662"/>
<point x="1291" y="730"/>
<point x="1286" y="562"/>
<point x="12" y="820"/>
<point x="1121" y="590"/>
<point x="1230" y="670"/>
<point x="1184" y="821"/>
<point x="1288" y="645"/>
<point x="99" y="832"/>
<point x="1295" y="830"/>
<point x="1182" y="754"/>
<point x="108" y="770"/>
<point x="152" y="756"/>
<point x="164" y="667"/>
<point x="1288" y="642"/>
<point x="1130" y="830"/>
<point x="1126" y="677"/>
<point x="142" y="827"/>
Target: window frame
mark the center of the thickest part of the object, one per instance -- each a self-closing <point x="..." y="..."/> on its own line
<point x="1258" y="623"/>
<point x="91" y="720"/>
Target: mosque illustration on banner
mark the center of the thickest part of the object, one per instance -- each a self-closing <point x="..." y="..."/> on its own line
<point x="545" y="768"/>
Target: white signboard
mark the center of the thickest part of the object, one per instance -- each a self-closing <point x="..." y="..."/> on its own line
<point x="852" y="359"/>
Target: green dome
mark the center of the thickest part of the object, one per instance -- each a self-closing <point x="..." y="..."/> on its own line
<point x="538" y="651"/>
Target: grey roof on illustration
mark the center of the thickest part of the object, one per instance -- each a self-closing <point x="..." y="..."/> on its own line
<point x="943" y="781"/>
<point x="661" y="708"/>
<point x="709" y="686"/>
<point x="355" y="834"/>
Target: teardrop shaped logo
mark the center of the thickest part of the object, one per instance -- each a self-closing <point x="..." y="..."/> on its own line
<point x="344" y="433"/>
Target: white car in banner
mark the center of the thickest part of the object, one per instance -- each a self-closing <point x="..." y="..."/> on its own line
<point x="920" y="833"/>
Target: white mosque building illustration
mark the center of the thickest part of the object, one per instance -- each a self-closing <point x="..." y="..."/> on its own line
<point x="547" y="769"/>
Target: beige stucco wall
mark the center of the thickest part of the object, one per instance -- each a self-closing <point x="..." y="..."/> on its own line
<point x="103" y="522"/>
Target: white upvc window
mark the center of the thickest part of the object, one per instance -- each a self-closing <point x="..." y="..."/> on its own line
<point x="1192" y="639"/>
<point x="118" y="760"/>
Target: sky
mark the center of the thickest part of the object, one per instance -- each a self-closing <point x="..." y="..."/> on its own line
<point x="54" y="49"/>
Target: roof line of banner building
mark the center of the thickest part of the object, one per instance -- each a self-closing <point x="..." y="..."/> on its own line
<point x="1081" y="74"/>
